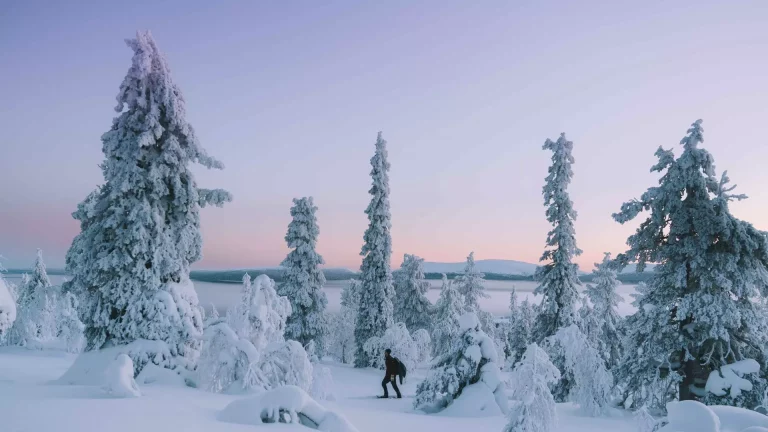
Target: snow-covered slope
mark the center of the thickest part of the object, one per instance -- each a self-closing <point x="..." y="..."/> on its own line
<point x="486" y="266"/>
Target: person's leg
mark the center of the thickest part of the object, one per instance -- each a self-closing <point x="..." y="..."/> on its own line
<point x="394" y="386"/>
<point x="384" y="386"/>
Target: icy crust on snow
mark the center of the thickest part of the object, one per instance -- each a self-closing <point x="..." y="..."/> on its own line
<point x="118" y="378"/>
<point x="89" y="367"/>
<point x="692" y="416"/>
<point x="7" y="307"/>
<point x="286" y="404"/>
<point x="729" y="379"/>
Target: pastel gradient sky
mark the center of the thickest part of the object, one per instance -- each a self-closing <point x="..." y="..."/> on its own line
<point x="290" y="95"/>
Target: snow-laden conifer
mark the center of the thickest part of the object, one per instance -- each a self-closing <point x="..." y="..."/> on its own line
<point x="376" y="309"/>
<point x="448" y="309"/>
<point x="470" y="285"/>
<point x="140" y="230"/>
<point x="472" y="359"/>
<point x="7" y="307"/>
<point x="702" y="308"/>
<point x="534" y="407"/>
<point x="605" y="303"/>
<point x="558" y="277"/>
<point x="522" y="319"/>
<point x="411" y="305"/>
<point x="303" y="280"/>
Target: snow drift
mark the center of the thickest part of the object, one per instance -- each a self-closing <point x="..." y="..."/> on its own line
<point x="286" y="404"/>
<point x="692" y="416"/>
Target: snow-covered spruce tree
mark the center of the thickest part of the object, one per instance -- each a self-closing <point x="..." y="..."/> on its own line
<point x="522" y="319"/>
<point x="470" y="285"/>
<point x="35" y="311"/>
<point x="303" y="280"/>
<point x="411" y="305"/>
<point x="592" y="383"/>
<point x="140" y="230"/>
<point x="702" y="309"/>
<point x="471" y="360"/>
<point x="448" y="309"/>
<point x="534" y="410"/>
<point x="605" y="303"/>
<point x="558" y="277"/>
<point x="375" y="311"/>
<point x="343" y="323"/>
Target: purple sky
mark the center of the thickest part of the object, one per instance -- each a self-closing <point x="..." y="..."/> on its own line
<point x="290" y="95"/>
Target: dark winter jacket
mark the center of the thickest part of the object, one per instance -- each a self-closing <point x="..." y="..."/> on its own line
<point x="392" y="366"/>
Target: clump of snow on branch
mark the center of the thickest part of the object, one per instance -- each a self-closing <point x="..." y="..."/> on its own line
<point x="472" y="359"/>
<point x="729" y="380"/>
<point x="534" y="407"/>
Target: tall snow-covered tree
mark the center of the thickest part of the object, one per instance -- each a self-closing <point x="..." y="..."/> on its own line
<point x="558" y="278"/>
<point x="521" y="321"/>
<point x="448" y="309"/>
<point x="35" y="320"/>
<point x="411" y="305"/>
<point x="140" y="230"/>
<point x="375" y="313"/>
<point x="303" y="280"/>
<point x="702" y="308"/>
<point x="605" y="303"/>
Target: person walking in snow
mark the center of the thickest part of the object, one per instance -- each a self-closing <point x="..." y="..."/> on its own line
<point x="392" y="371"/>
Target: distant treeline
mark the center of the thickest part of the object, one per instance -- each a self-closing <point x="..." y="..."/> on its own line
<point x="236" y="276"/>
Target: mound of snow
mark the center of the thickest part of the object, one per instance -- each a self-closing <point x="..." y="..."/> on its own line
<point x="477" y="400"/>
<point x="89" y="367"/>
<point x="286" y="404"/>
<point x="691" y="416"/>
<point x="7" y="307"/>
<point x="118" y="378"/>
<point x="733" y="419"/>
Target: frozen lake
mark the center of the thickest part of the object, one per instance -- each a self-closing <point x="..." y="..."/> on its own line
<point x="222" y="296"/>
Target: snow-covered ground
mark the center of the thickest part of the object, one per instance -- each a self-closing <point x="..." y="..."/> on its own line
<point x="29" y="402"/>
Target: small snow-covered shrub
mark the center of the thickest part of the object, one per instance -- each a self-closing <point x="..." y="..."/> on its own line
<point x="423" y="346"/>
<point x="342" y="337"/>
<point x="592" y="383"/>
<point x="7" y="309"/>
<point x="534" y="409"/>
<point x="247" y="350"/>
<point x="118" y="378"/>
<point x="285" y="404"/>
<point x="399" y="340"/>
<point x="282" y="364"/>
<point x="472" y="359"/>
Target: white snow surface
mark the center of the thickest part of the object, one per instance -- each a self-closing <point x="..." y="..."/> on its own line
<point x="692" y="416"/>
<point x="28" y="402"/>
